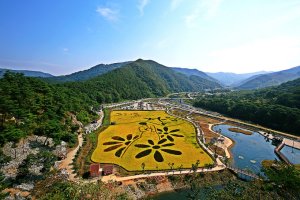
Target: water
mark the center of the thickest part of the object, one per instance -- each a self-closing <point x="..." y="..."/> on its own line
<point x="292" y="154"/>
<point x="183" y="194"/>
<point x="249" y="150"/>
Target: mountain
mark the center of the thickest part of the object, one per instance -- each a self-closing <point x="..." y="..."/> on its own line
<point x="239" y="83"/>
<point x="87" y="74"/>
<point x="140" y="79"/>
<point x="195" y="72"/>
<point x="229" y="79"/>
<point x="271" y="79"/>
<point x="26" y="73"/>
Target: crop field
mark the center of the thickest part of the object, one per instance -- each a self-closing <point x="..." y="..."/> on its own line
<point x="149" y="140"/>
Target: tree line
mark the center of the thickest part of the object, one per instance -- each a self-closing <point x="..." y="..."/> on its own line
<point x="276" y="107"/>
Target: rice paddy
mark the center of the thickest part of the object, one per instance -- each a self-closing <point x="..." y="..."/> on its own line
<point x="149" y="140"/>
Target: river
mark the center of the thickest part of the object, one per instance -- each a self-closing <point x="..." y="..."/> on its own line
<point x="249" y="150"/>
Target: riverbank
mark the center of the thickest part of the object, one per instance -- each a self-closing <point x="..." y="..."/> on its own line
<point x="227" y="143"/>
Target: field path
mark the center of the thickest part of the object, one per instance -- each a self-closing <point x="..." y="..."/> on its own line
<point x="112" y="177"/>
<point x="226" y="144"/>
<point x="67" y="162"/>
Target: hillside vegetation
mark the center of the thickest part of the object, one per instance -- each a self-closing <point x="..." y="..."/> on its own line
<point x="31" y="106"/>
<point x="276" y="107"/>
<point x="139" y="79"/>
<point x="86" y="74"/>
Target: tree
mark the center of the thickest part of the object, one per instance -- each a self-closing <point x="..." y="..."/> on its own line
<point x="283" y="178"/>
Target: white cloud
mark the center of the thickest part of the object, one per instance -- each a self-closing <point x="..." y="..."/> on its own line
<point x="269" y="54"/>
<point x="65" y="49"/>
<point x="108" y="13"/>
<point x="141" y="6"/>
<point x="206" y="9"/>
<point x="175" y="4"/>
<point x="211" y="7"/>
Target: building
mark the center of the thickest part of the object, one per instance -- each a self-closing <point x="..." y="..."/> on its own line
<point x="107" y="169"/>
<point x="95" y="170"/>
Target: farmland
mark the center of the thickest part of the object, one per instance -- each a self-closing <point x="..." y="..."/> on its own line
<point x="149" y="140"/>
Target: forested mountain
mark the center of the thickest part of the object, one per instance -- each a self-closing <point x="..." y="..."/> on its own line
<point x="276" y="107"/>
<point x="271" y="79"/>
<point x="26" y="73"/>
<point x="87" y="74"/>
<point x="31" y="106"/>
<point x="195" y="72"/>
<point x="230" y="79"/>
<point x="140" y="79"/>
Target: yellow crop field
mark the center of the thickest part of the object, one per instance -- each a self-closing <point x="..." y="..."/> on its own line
<point x="152" y="140"/>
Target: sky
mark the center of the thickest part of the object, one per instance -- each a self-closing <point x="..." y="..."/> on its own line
<point x="64" y="36"/>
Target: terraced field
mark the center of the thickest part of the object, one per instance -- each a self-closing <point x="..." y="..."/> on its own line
<point x="149" y="140"/>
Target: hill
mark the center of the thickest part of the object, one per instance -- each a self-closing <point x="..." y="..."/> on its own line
<point x="26" y="73"/>
<point x="229" y="79"/>
<point x="87" y="74"/>
<point x="195" y="72"/>
<point x="276" y="107"/>
<point x="31" y="106"/>
<point x="140" y="79"/>
<point x="272" y="79"/>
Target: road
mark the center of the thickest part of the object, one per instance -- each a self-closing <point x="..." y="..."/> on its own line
<point x="66" y="163"/>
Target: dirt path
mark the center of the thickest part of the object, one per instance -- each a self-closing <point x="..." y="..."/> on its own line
<point x="225" y="145"/>
<point x="66" y="163"/>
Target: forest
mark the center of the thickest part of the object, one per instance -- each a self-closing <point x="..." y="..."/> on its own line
<point x="31" y="106"/>
<point x="275" y="107"/>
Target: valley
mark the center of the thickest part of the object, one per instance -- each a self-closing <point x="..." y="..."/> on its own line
<point x="137" y="124"/>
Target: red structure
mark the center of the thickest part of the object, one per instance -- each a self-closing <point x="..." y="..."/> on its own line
<point x="95" y="170"/>
<point x="107" y="169"/>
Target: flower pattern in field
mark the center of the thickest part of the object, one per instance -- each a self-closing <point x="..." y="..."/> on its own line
<point x="120" y="143"/>
<point x="170" y="134"/>
<point x="158" y="148"/>
<point x="161" y="121"/>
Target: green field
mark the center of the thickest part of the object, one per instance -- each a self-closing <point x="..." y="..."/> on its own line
<point x="150" y="138"/>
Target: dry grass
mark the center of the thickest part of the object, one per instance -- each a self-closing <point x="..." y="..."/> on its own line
<point x="238" y="130"/>
<point x="204" y="124"/>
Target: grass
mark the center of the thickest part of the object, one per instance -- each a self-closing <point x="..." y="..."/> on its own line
<point x="150" y="137"/>
<point x="106" y="119"/>
<point x="238" y="130"/>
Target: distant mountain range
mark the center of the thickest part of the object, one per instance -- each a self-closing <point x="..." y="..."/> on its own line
<point x="89" y="73"/>
<point x="271" y="79"/>
<point x="194" y="77"/>
<point x="27" y="73"/>
<point x="140" y="79"/>
<point x="194" y="72"/>
<point x="232" y="79"/>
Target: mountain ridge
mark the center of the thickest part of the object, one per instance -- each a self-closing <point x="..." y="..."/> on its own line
<point x="29" y="73"/>
<point x="140" y="79"/>
<point x="271" y="79"/>
<point x="87" y="73"/>
<point x="196" y="72"/>
<point x="230" y="78"/>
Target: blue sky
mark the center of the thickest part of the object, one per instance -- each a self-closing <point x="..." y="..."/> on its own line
<point x="64" y="36"/>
